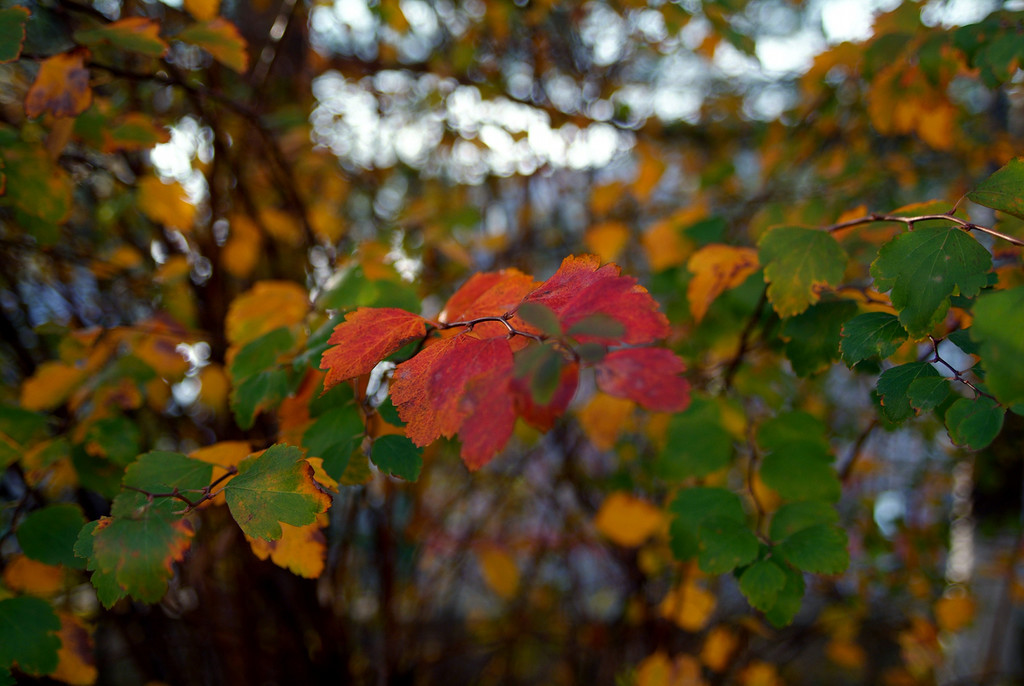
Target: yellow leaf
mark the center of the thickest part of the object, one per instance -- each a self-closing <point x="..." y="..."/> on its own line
<point x="166" y="203"/>
<point x="936" y="125"/>
<point x="223" y="456"/>
<point x="61" y="86"/>
<point x="241" y="253"/>
<point x="689" y="606"/>
<point x="77" y="663"/>
<point x="499" y="569"/>
<point x="846" y="653"/>
<point x="954" y="612"/>
<point x="659" y="670"/>
<point x="281" y="225"/>
<point x="603" y="198"/>
<point x="649" y="171"/>
<point x="214" y="387"/>
<point x="607" y="240"/>
<point x="203" y="10"/>
<point x="301" y="549"/>
<point x="159" y="350"/>
<point x="716" y="268"/>
<point x="320" y="474"/>
<point x="48" y="467"/>
<point x="626" y="520"/>
<point x="759" y="674"/>
<point x="266" y="306"/>
<point x="604" y="418"/>
<point x="664" y="242"/>
<point x="35" y="578"/>
<point x="51" y="385"/>
<point x="719" y="648"/>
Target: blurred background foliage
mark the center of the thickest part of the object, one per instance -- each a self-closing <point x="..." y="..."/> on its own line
<point x="180" y="189"/>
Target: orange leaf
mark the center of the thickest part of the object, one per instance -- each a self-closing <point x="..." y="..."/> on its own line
<point x="607" y="240"/>
<point x="220" y="38"/>
<point x="77" y="664"/>
<point x="35" y="578"/>
<point x="366" y="337"/>
<point x="604" y="418"/>
<point x="716" y="268"/>
<point x="458" y="385"/>
<point x="954" y="612"/>
<point x="628" y="521"/>
<point x="650" y="376"/>
<point x="689" y="606"/>
<point x="241" y="252"/>
<point x="51" y="385"/>
<point x="499" y="569"/>
<point x="719" y="648"/>
<point x="203" y="10"/>
<point x="166" y="203"/>
<point x="61" y="86"/>
<point x="301" y="549"/>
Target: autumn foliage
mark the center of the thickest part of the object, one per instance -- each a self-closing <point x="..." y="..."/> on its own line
<point x="619" y="342"/>
<point x="509" y="347"/>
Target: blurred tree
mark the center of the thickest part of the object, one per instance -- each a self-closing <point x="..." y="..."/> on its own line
<point x="219" y="469"/>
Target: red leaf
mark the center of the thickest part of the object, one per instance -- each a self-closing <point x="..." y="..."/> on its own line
<point x="650" y="376"/>
<point x="543" y="416"/>
<point x="366" y="337"/>
<point x="488" y="294"/>
<point x="458" y="385"/>
<point x="582" y="287"/>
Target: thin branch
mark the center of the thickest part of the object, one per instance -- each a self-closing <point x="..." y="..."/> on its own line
<point x="910" y="221"/>
<point x="745" y="336"/>
<point x="957" y="374"/>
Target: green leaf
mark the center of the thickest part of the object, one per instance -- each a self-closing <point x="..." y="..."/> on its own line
<point x="28" y="635"/>
<point x="48" y="535"/>
<point x="134" y="34"/>
<point x="793" y="517"/>
<point x="598" y="325"/>
<point x="798" y="262"/>
<point x="161" y="471"/>
<point x="761" y="583"/>
<point x="116" y="438"/>
<point x="788" y="600"/>
<point x="12" y="32"/>
<point x="894" y="384"/>
<point x="274" y="487"/>
<point x="5" y="674"/>
<point x="333" y="437"/>
<point x="812" y="337"/>
<point x="132" y="552"/>
<point x="542" y="366"/>
<point x="397" y="456"/>
<point x="1004" y="190"/>
<point x="998" y="328"/>
<point x="871" y="335"/>
<point x="801" y="474"/>
<point x="798" y="465"/>
<point x="725" y="544"/>
<point x="257" y="393"/>
<point x="261" y="354"/>
<point x="928" y="392"/>
<point x="541" y="317"/>
<point x="697" y="443"/>
<point x="923" y="268"/>
<point x="220" y="38"/>
<point x="974" y="422"/>
<point x="820" y="549"/>
<point x="690" y="508"/>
